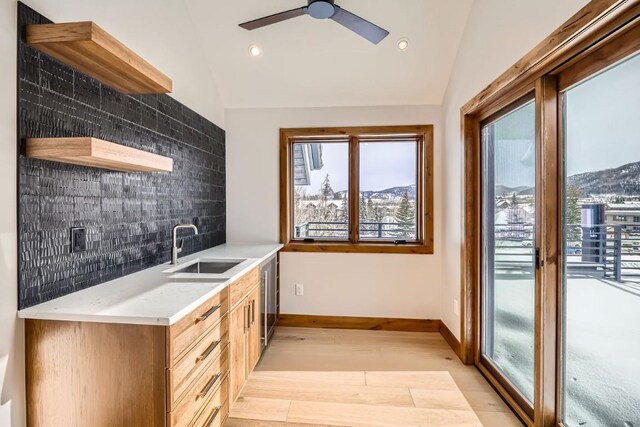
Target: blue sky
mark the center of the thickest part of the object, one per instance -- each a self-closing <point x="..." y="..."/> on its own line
<point x="382" y="165"/>
<point x="602" y="115"/>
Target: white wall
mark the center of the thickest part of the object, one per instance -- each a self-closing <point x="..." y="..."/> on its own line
<point x="386" y="285"/>
<point x="12" y="399"/>
<point x="498" y="33"/>
<point x="161" y="32"/>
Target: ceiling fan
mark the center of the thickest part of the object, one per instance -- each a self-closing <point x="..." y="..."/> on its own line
<point x="325" y="9"/>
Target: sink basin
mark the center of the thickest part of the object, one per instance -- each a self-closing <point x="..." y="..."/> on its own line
<point x="209" y="267"/>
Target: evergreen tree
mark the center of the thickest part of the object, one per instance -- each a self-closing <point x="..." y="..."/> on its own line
<point x="343" y="212"/>
<point x="515" y="214"/>
<point x="378" y="215"/>
<point x="324" y="212"/>
<point x="370" y="210"/>
<point x="405" y="217"/>
<point x="326" y="192"/>
<point x="573" y="214"/>
<point x="364" y="215"/>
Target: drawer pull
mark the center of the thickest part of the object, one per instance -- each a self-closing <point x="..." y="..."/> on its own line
<point x="208" y="351"/>
<point x="212" y="417"/>
<point x="208" y="313"/>
<point x="210" y="384"/>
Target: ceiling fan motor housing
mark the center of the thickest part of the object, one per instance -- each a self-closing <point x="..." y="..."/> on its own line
<point x="321" y="9"/>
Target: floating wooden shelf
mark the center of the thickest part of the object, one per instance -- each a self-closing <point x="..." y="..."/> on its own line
<point x="97" y="153"/>
<point x="90" y="49"/>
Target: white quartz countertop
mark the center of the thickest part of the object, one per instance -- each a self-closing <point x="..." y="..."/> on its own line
<point x="150" y="297"/>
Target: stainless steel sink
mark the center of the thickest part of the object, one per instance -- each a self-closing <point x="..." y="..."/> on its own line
<point x="209" y="267"/>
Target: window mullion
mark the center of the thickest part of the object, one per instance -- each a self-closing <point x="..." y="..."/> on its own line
<point x="354" y="185"/>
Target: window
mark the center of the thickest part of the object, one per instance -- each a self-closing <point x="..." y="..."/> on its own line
<point x="508" y="147"/>
<point x="588" y="367"/>
<point x="365" y="189"/>
<point x="636" y="219"/>
<point x="319" y="211"/>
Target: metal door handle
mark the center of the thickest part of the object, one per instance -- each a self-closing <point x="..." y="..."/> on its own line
<point x="266" y="306"/>
<point x="253" y="311"/>
<point x="248" y="315"/>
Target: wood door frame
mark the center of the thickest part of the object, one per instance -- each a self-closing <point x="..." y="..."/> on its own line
<point x="509" y="392"/>
<point x="593" y="27"/>
<point x="619" y="46"/>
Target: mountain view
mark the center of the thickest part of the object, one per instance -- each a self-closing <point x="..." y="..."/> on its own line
<point x="622" y="181"/>
<point x="387" y="193"/>
<point x="386" y="213"/>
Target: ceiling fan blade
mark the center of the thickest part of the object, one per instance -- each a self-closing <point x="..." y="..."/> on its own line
<point x="360" y="26"/>
<point x="273" y="19"/>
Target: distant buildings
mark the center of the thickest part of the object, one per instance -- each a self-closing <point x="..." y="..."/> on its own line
<point x="625" y="214"/>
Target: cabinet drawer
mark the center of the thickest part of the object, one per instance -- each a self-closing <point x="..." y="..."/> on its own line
<point x="184" y="334"/>
<point x="241" y="287"/>
<point x="197" y="360"/>
<point x="214" y="412"/>
<point x="211" y="385"/>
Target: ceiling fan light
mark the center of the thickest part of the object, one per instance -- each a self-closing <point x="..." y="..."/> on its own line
<point x="403" y="44"/>
<point x="321" y="9"/>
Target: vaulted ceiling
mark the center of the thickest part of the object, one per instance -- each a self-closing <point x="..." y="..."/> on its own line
<point x="311" y="63"/>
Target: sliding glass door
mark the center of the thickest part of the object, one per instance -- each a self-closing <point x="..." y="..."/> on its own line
<point x="600" y="372"/>
<point x="508" y="143"/>
<point x="552" y="226"/>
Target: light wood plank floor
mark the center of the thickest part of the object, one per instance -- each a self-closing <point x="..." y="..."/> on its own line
<point x="330" y="377"/>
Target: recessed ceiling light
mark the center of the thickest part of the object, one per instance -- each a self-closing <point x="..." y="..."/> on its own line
<point x="255" y="51"/>
<point x="403" y="44"/>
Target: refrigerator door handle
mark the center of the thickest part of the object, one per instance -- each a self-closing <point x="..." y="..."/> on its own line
<point x="265" y="276"/>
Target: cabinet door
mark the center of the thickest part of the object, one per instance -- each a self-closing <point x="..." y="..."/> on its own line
<point x="253" y="336"/>
<point x="237" y="350"/>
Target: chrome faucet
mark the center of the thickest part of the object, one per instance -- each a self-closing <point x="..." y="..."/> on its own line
<point x="175" y="249"/>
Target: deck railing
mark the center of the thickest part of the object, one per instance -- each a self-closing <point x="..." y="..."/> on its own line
<point x="610" y="251"/>
<point x="370" y="230"/>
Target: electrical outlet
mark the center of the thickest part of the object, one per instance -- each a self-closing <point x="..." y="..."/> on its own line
<point x="78" y="239"/>
<point x="456" y="307"/>
<point x="299" y="289"/>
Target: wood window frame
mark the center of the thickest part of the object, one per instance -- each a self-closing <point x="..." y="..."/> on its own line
<point x="599" y="34"/>
<point x="424" y="194"/>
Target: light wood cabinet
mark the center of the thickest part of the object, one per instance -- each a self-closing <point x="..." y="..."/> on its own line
<point x="237" y="348"/>
<point x="254" y="348"/>
<point x="184" y="375"/>
<point x="244" y="331"/>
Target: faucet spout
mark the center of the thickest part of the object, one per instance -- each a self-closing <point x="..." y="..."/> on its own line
<point x="175" y="249"/>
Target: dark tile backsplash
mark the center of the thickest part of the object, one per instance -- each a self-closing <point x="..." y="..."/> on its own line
<point x="128" y="216"/>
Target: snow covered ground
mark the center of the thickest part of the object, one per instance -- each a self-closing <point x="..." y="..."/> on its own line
<point x="602" y="375"/>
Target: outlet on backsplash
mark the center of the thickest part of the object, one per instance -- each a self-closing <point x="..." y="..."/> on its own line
<point x="78" y="239"/>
